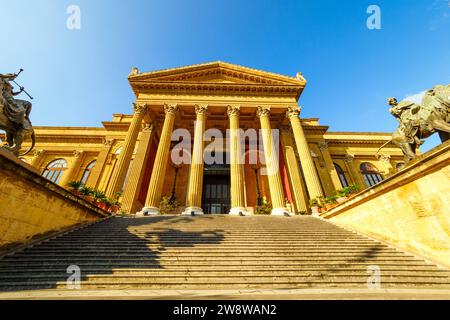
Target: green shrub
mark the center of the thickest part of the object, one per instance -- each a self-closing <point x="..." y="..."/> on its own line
<point x="168" y="205"/>
<point x="86" y="191"/>
<point x="265" y="207"/>
<point x="75" y="185"/>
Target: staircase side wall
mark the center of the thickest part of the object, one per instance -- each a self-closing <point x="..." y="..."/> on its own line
<point x="32" y="206"/>
<point x="410" y="210"/>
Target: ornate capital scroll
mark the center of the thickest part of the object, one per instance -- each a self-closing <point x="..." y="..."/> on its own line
<point x="201" y="109"/>
<point x="385" y="158"/>
<point x="78" y="153"/>
<point x="233" y="110"/>
<point x="263" y="111"/>
<point x="108" y="142"/>
<point x="323" y="145"/>
<point x="140" y="108"/>
<point x="349" y="158"/>
<point x="293" y="111"/>
<point x="147" y="127"/>
<point x="170" y="108"/>
<point x="38" y="152"/>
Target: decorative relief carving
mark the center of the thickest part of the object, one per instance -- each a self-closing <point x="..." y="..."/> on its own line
<point x="263" y="111"/>
<point x="293" y="111"/>
<point x="140" y="108"/>
<point x="233" y="110"/>
<point x="170" y="108"/>
<point x="201" y="109"/>
<point x="108" y="142"/>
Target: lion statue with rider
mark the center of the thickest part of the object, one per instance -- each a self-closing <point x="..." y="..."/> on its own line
<point x="418" y="122"/>
<point x="15" y="115"/>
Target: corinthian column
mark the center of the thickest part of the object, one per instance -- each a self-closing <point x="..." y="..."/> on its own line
<point x="272" y="163"/>
<point x="194" y="193"/>
<point x="69" y="174"/>
<point x="236" y="164"/>
<point x="123" y="163"/>
<point x="37" y="158"/>
<point x="307" y="162"/>
<point x="161" y="159"/>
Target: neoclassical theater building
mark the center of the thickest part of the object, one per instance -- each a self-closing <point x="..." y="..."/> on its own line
<point x="131" y="154"/>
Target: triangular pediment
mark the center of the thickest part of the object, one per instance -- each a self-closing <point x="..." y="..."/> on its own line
<point x="216" y="73"/>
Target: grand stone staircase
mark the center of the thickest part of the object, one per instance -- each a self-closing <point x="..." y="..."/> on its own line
<point x="215" y="252"/>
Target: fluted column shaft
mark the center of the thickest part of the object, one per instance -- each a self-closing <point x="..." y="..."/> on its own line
<point x="134" y="180"/>
<point x="323" y="146"/>
<point x="123" y="162"/>
<point x="236" y="164"/>
<point x="159" y="168"/>
<point x="69" y="174"/>
<point x="194" y="193"/>
<point x="307" y="162"/>
<point x="272" y="163"/>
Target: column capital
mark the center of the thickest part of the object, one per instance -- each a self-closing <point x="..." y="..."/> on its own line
<point x="349" y="158"/>
<point x="147" y="127"/>
<point x="233" y="110"/>
<point x="108" y="142"/>
<point x="170" y="108"/>
<point x="201" y="109"/>
<point x="323" y="145"/>
<point x="78" y="153"/>
<point x="263" y="111"/>
<point x="140" y="108"/>
<point x="293" y="111"/>
<point x="384" y="158"/>
<point x="38" y="153"/>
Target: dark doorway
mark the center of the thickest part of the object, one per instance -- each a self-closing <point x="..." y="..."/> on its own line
<point x="216" y="189"/>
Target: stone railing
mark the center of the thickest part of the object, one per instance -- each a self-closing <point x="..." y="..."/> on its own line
<point x="410" y="210"/>
<point x="32" y="206"/>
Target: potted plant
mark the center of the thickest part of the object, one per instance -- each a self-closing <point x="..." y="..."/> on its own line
<point x="352" y="190"/>
<point x="314" y="205"/>
<point x="330" y="202"/>
<point x="86" y="193"/>
<point x="264" y="208"/>
<point x="114" y="208"/>
<point x="168" y="205"/>
<point x="98" y="198"/>
<point x="75" y="187"/>
<point x="341" y="196"/>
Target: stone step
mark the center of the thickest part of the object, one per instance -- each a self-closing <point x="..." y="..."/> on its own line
<point x="158" y="273"/>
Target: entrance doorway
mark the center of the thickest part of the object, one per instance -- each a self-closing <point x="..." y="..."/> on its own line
<point x="216" y="189"/>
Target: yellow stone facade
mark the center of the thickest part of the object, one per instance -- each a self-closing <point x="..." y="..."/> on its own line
<point x="132" y="154"/>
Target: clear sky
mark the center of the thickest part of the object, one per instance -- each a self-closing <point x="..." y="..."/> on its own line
<point x="79" y="77"/>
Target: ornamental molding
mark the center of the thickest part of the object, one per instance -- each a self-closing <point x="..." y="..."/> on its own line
<point x="147" y="127"/>
<point x="38" y="152"/>
<point x="384" y="158"/>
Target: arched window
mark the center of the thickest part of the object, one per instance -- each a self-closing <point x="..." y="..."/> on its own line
<point x="341" y="175"/>
<point x="370" y="174"/>
<point x="55" y="170"/>
<point x="87" y="172"/>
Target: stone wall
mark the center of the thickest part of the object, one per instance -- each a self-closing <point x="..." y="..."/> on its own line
<point x="31" y="206"/>
<point x="410" y="209"/>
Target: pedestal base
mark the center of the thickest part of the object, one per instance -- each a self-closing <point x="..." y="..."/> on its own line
<point x="280" y="212"/>
<point x="239" y="211"/>
<point x="149" y="211"/>
<point x="192" y="211"/>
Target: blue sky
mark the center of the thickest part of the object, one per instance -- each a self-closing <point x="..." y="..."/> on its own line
<point x="79" y="77"/>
